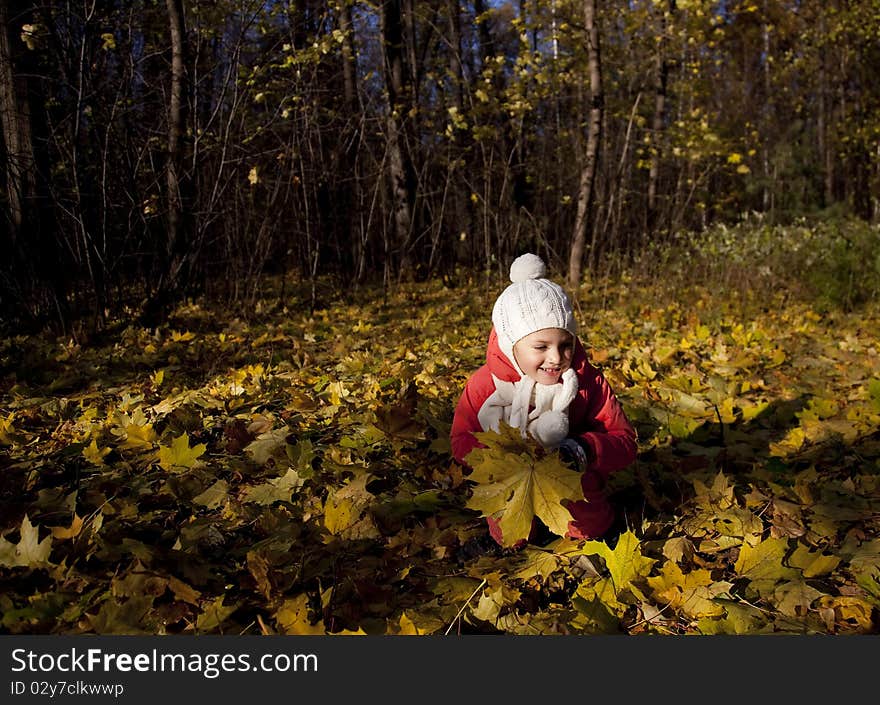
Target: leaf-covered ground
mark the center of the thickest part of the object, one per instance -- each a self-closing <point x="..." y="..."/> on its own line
<point x="291" y="474"/>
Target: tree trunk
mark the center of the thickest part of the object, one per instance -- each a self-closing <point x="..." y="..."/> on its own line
<point x="349" y="187"/>
<point x="174" y="257"/>
<point x="349" y="61"/>
<point x="408" y="15"/>
<point x="176" y="122"/>
<point x="594" y="130"/>
<point x="826" y="156"/>
<point x="392" y="36"/>
<point x="660" y="85"/>
<point x="15" y="122"/>
<point x="34" y="267"/>
<point x="459" y="229"/>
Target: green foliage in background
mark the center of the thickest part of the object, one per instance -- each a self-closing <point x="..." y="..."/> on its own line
<point x="832" y="263"/>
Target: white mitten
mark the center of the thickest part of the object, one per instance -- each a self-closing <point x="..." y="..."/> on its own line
<point x="568" y="391"/>
<point x="491" y="412"/>
<point x="550" y="428"/>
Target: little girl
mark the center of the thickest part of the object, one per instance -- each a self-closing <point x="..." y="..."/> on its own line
<point x="537" y="378"/>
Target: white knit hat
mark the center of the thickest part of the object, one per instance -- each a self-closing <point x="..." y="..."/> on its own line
<point x="531" y="303"/>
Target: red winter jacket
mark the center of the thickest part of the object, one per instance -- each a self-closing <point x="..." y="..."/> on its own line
<point x="595" y="416"/>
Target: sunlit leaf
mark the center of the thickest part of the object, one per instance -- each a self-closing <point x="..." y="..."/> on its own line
<point x="68" y="532"/>
<point x="135" y="431"/>
<point x="408" y="628"/>
<point x="795" y="598"/>
<point x="268" y="445"/>
<point x="512" y="487"/>
<point x="764" y="565"/>
<point x="94" y="454"/>
<point x="29" y="552"/>
<point x="813" y="563"/>
<point x="692" y="593"/>
<point x="626" y="562"/>
<point x="873" y="392"/>
<point x="740" y="618"/>
<point x="849" y="613"/>
<point x="791" y="443"/>
<point x="179" y="455"/>
<point x="279" y="489"/>
<point x="293" y="617"/>
<point x="597" y="603"/>
<point x="344" y="510"/>
<point x="7" y="430"/>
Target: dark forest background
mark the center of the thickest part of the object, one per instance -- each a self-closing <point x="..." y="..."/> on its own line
<point x="156" y="150"/>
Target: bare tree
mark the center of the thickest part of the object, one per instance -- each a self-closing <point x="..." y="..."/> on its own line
<point x="594" y="130"/>
<point x="395" y="84"/>
<point x="176" y="125"/>
<point x="660" y="89"/>
<point x="14" y="116"/>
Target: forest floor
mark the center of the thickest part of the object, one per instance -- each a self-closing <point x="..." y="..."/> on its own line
<point x="290" y="472"/>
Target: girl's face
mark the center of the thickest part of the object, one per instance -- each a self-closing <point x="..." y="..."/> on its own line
<point x="545" y="354"/>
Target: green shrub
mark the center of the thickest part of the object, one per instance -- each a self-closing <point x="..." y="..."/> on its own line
<point x="832" y="263"/>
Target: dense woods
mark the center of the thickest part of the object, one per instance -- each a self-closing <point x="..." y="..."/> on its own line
<point x="153" y="150"/>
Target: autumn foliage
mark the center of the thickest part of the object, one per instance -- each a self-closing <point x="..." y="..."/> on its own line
<point x="290" y="473"/>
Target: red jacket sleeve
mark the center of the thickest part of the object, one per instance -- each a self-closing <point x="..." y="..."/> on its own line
<point x="465" y="422"/>
<point x="598" y="419"/>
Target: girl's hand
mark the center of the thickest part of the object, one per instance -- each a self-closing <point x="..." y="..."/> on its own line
<point x="574" y="455"/>
<point x="550" y="428"/>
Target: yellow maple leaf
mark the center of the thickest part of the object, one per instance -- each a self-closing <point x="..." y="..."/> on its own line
<point x="738" y="619"/>
<point x="338" y="514"/>
<point x="293" y="617"/>
<point x="213" y="614"/>
<point x="596" y="601"/>
<point x="489" y="606"/>
<point x="513" y="487"/>
<point x="723" y="528"/>
<point x="7" y="432"/>
<point x="845" y="611"/>
<point x="179" y="456"/>
<point x="29" y="552"/>
<point x="270" y="444"/>
<point x="813" y="563"/>
<point x="337" y="392"/>
<point x="94" y="454"/>
<point x="765" y="561"/>
<point x="279" y="489"/>
<point x="345" y="510"/>
<point x="136" y="432"/>
<point x="794" y="599"/>
<point x="692" y="593"/>
<point x="790" y="444"/>
<point x="625" y="562"/>
<point x="409" y="628"/>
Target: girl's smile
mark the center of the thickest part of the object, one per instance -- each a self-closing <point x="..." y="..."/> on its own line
<point x="545" y="354"/>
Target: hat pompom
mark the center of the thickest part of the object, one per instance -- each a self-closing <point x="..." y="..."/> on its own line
<point x="527" y="267"/>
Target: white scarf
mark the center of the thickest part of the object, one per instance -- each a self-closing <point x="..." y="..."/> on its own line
<point x="510" y="402"/>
